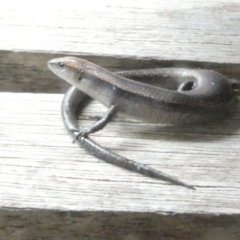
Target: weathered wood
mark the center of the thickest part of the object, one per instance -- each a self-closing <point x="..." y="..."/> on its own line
<point x="28" y="72"/>
<point x="193" y="30"/>
<point x="47" y="171"/>
<point x="40" y="168"/>
<point x="54" y="225"/>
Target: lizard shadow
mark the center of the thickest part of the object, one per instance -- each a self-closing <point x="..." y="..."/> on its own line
<point x="208" y="131"/>
<point x="204" y="132"/>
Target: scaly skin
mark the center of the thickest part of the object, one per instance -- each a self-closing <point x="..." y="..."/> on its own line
<point x="166" y="95"/>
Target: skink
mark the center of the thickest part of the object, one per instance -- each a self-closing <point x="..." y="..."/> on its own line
<point x="70" y="106"/>
<point x="164" y="95"/>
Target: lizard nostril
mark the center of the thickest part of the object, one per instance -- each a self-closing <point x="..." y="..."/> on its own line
<point x="80" y="75"/>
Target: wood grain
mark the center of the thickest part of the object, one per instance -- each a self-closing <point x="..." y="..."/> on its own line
<point x="50" y="188"/>
<point x="48" y="171"/>
<point x="61" y="225"/>
<point x="28" y="72"/>
<point x="193" y="30"/>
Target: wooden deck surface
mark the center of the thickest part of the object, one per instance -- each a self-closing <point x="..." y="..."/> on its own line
<point x="190" y="30"/>
<point x="71" y="193"/>
<point x="47" y="171"/>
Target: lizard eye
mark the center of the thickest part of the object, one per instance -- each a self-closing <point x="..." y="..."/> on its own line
<point x="61" y="65"/>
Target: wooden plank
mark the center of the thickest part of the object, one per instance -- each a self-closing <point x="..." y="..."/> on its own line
<point x="49" y="225"/>
<point x="83" y="197"/>
<point x="41" y="168"/>
<point x="28" y="72"/>
<point x="193" y="30"/>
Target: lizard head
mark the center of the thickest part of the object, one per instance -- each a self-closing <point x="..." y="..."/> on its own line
<point x="70" y="69"/>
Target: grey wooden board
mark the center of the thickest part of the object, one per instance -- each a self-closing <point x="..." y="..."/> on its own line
<point x="41" y="168"/>
<point x="55" y="225"/>
<point x="187" y="30"/>
<point x="28" y="72"/>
